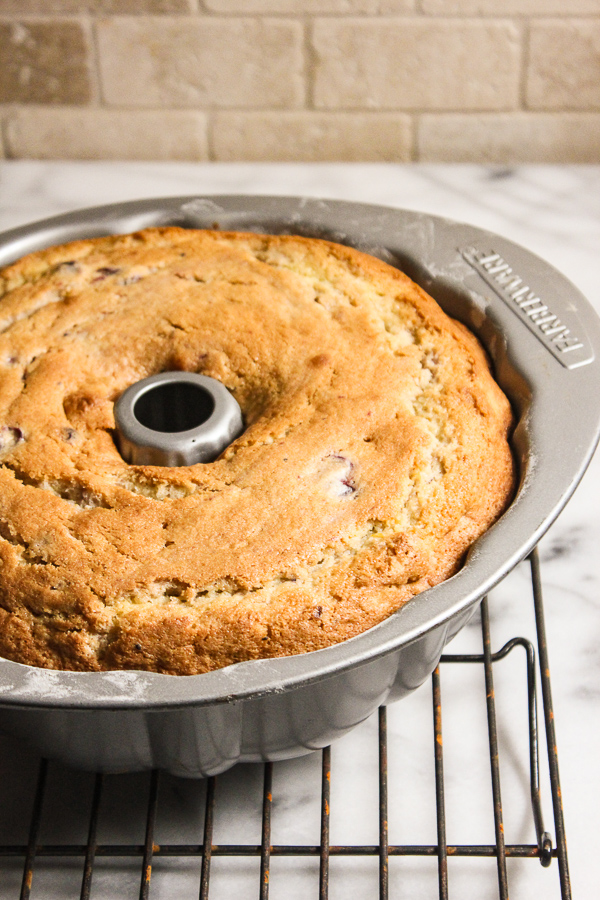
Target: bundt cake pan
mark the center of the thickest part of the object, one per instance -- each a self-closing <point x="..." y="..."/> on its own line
<point x="544" y="340"/>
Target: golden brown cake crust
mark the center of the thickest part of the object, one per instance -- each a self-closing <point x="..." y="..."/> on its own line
<point x="375" y="450"/>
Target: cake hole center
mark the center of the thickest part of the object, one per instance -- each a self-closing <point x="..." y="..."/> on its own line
<point x="174" y="406"/>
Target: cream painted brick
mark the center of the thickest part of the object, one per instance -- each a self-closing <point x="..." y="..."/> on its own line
<point x="312" y="7"/>
<point x="70" y="133"/>
<point x="102" y="7"/>
<point x="201" y="62"/>
<point x="307" y="136"/>
<point x="564" y="65"/>
<point x="44" y="62"/>
<point x="416" y="64"/>
<point x="506" y="138"/>
<point x="510" y="7"/>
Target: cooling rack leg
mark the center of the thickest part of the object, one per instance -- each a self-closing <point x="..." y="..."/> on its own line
<point x="149" y="842"/>
<point x="324" y="848"/>
<point x="383" y="806"/>
<point x="209" y="815"/>
<point x="544" y="840"/>
<point x="442" y="851"/>
<point x="494" y="762"/>
<point x="34" y="830"/>
<point x="265" y="847"/>
<point x="90" y="853"/>
<point x="559" y="822"/>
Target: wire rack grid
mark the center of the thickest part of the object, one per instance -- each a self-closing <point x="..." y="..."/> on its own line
<point x="150" y="855"/>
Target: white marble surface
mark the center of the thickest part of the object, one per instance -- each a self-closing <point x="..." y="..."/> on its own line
<point x="554" y="211"/>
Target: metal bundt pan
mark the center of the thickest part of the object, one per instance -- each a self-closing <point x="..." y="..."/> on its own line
<point x="544" y="340"/>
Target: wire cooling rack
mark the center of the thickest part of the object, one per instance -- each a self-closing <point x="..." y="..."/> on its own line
<point x="549" y="849"/>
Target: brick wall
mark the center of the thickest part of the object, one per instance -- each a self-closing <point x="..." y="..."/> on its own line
<point x="432" y="80"/>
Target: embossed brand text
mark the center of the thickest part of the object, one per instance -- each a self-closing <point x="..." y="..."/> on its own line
<point x="513" y="289"/>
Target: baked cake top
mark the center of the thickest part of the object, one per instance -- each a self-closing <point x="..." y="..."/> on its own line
<point x="375" y="450"/>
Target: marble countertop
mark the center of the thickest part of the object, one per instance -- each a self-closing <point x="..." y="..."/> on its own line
<point x="555" y="212"/>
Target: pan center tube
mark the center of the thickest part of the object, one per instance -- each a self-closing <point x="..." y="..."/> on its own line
<point x="176" y="419"/>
